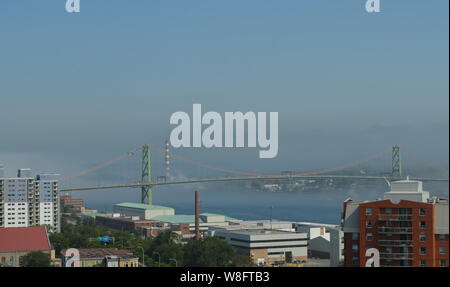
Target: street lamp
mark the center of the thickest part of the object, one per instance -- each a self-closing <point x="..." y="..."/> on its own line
<point x="159" y="258"/>
<point x="176" y="263"/>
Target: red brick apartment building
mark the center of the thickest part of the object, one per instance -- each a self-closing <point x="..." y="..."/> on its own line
<point x="408" y="228"/>
<point x="68" y="200"/>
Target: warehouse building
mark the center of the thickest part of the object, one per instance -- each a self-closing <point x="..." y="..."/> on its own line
<point x="325" y="241"/>
<point x="144" y="211"/>
<point x="266" y="246"/>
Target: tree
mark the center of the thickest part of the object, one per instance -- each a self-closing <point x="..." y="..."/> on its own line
<point x="208" y="252"/>
<point x="243" y="261"/>
<point x="59" y="242"/>
<point x="36" y="259"/>
<point x="165" y="244"/>
<point x="67" y="208"/>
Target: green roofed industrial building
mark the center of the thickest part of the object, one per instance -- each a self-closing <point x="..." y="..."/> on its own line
<point x="144" y="211"/>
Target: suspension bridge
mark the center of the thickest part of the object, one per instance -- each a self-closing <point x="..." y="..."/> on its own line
<point x="147" y="182"/>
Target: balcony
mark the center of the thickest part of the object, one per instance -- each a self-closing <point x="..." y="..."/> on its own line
<point x="395" y="217"/>
<point x="396" y="256"/>
<point x="397" y="230"/>
<point x="395" y="243"/>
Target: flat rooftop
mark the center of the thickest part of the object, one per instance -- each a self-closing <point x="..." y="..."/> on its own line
<point x="142" y="206"/>
<point x="259" y="231"/>
<point x="183" y="218"/>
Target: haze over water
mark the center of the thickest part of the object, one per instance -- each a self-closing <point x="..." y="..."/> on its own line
<point x="79" y="90"/>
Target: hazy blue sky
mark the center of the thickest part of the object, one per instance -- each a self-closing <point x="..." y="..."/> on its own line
<point x="79" y="89"/>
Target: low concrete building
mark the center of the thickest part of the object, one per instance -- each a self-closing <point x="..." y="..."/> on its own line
<point x="326" y="241"/>
<point x="144" y="211"/>
<point x="266" y="246"/>
<point x="318" y="239"/>
<point x="16" y="242"/>
<point x="267" y="224"/>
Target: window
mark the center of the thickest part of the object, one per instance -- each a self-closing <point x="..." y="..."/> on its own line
<point x="403" y="211"/>
<point x="423" y="250"/>
<point x="388" y="211"/>
<point x="442" y="237"/>
<point x="422" y="212"/>
<point x="405" y="263"/>
<point x="442" y="250"/>
<point x="355" y="260"/>
<point x="423" y="263"/>
<point x="355" y="247"/>
<point x="368" y="211"/>
<point x="369" y="236"/>
<point x="422" y="237"/>
<point x="369" y="223"/>
<point x="442" y="263"/>
<point x="422" y="224"/>
<point x="354" y="236"/>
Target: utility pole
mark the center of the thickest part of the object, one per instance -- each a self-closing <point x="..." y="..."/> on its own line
<point x="197" y="217"/>
<point x="159" y="258"/>
<point x="271" y="207"/>
<point x="143" y="262"/>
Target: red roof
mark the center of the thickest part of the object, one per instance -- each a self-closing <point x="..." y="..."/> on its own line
<point x="23" y="239"/>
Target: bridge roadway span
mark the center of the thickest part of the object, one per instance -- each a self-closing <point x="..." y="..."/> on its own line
<point x="200" y="180"/>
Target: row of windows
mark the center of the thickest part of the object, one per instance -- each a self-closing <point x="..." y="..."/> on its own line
<point x="442" y="263"/>
<point x="388" y="211"/>
<point x="422" y="237"/>
<point x="423" y="249"/>
<point x="422" y="224"/>
<point x="14" y="180"/>
<point x="16" y="209"/>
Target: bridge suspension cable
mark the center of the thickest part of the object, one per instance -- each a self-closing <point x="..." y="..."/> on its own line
<point x="237" y="172"/>
<point x="102" y="165"/>
<point x="425" y="162"/>
<point x="271" y="175"/>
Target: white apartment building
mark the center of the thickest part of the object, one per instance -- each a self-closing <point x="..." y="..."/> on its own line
<point x="27" y="201"/>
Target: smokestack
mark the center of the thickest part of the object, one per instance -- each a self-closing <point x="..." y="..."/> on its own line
<point x="167" y="161"/>
<point x="197" y="217"/>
